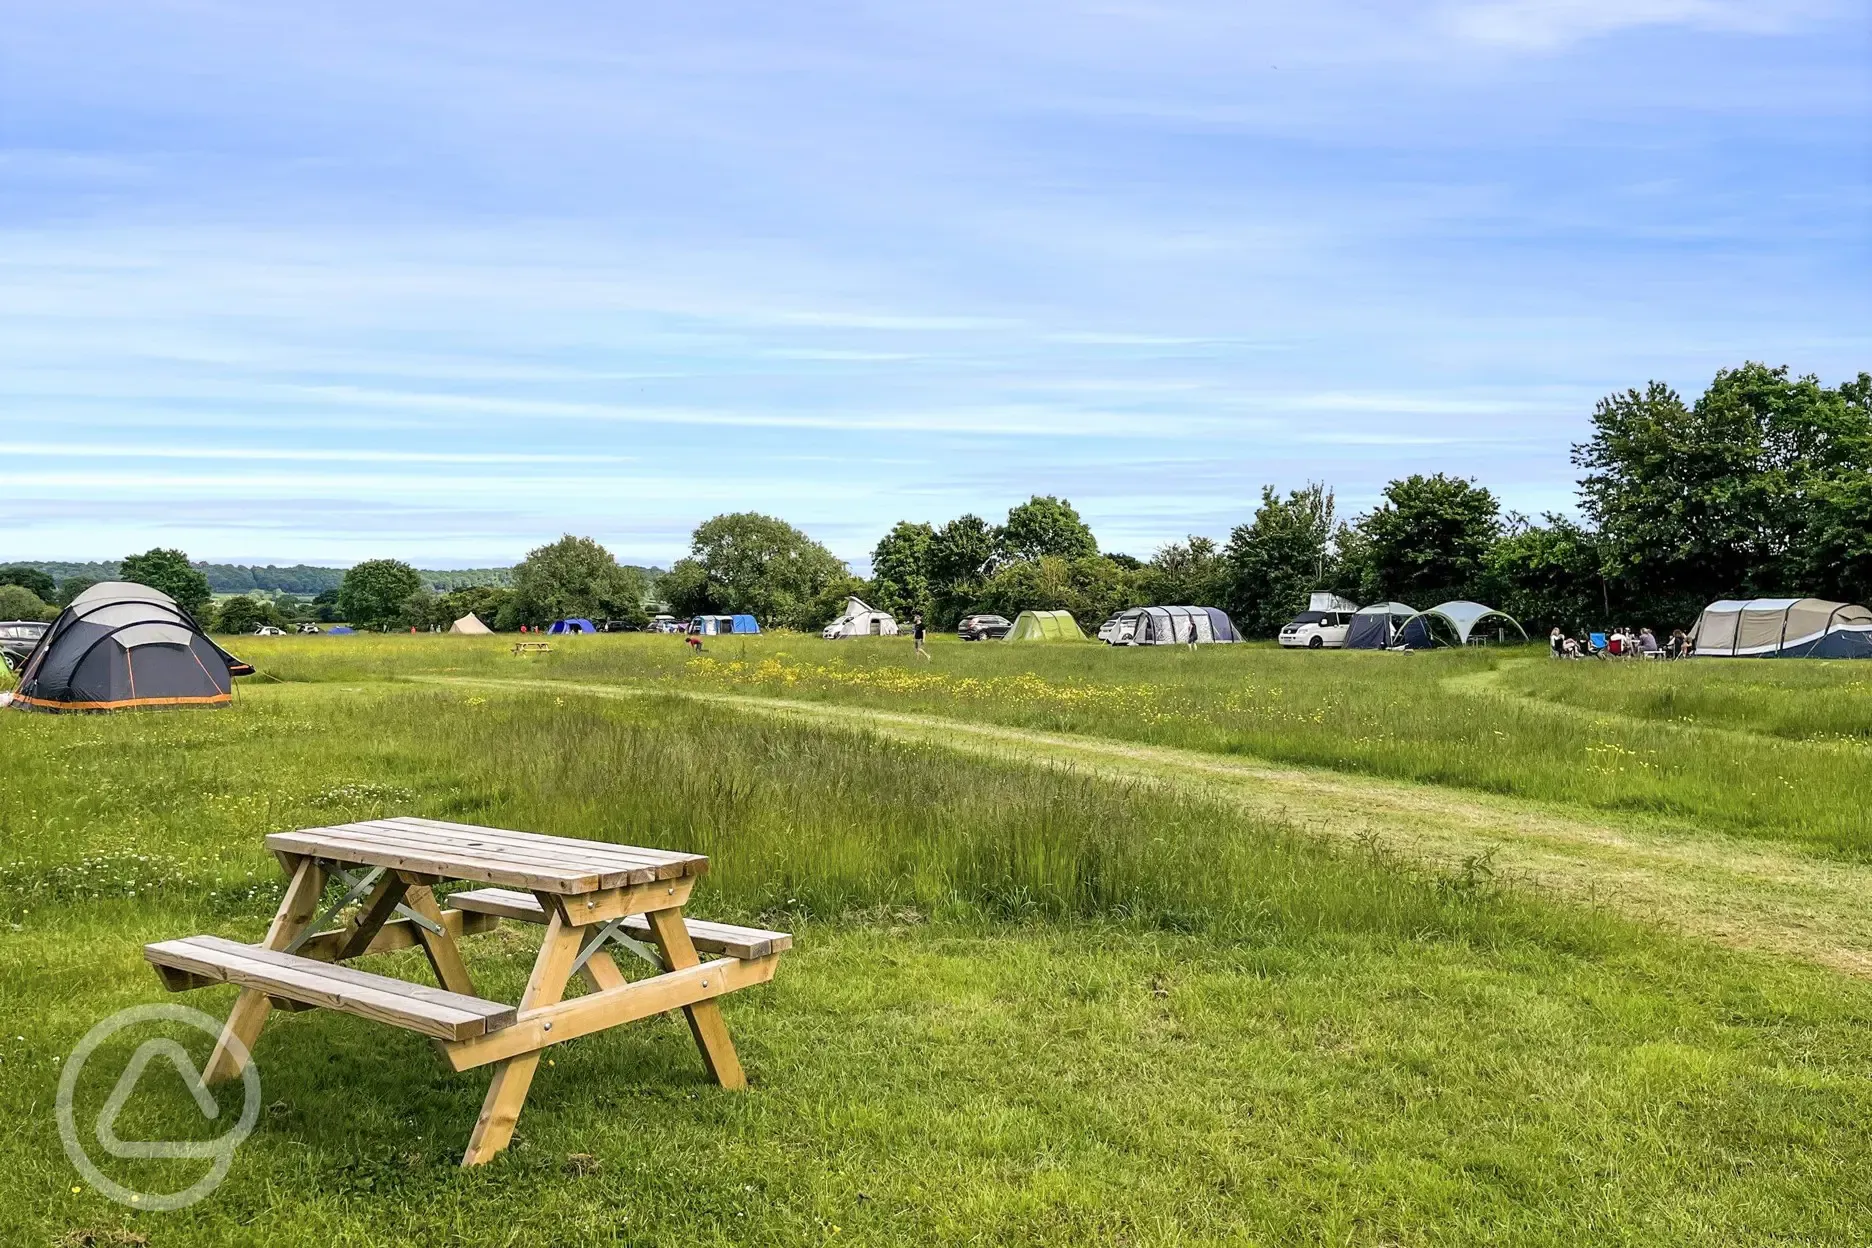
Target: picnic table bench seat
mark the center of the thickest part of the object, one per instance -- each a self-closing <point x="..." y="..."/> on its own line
<point x="746" y="943"/>
<point x="309" y="981"/>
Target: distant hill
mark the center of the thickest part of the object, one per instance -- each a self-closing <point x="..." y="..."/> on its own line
<point x="304" y="579"/>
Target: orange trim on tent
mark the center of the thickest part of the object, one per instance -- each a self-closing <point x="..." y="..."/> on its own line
<point x="54" y="705"/>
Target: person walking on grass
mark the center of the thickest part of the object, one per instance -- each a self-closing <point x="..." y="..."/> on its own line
<point x="916" y="628"/>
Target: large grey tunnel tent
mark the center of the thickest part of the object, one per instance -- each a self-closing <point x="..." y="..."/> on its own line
<point x="1783" y="628"/>
<point x="1459" y="623"/>
<point x="120" y="645"/>
<point x="1376" y="627"/>
<point x="1171" y="626"/>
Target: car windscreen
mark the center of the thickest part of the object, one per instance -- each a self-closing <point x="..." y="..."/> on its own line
<point x="1309" y="617"/>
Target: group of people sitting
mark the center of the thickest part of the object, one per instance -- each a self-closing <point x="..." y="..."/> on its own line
<point x="1620" y="643"/>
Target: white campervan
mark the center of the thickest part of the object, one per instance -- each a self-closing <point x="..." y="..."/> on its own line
<point x="1322" y="626"/>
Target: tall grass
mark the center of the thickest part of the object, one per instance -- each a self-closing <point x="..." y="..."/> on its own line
<point x="793" y="820"/>
<point x="1806" y="776"/>
<point x="1828" y="701"/>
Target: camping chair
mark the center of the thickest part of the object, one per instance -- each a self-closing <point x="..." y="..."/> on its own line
<point x="1598" y="643"/>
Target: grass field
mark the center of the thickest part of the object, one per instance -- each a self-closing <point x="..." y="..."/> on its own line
<point x="1030" y="1002"/>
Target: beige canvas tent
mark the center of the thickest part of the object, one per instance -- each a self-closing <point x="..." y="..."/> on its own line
<point x="1783" y="628"/>
<point x="859" y="620"/>
<point x="470" y="623"/>
<point x="1045" y="626"/>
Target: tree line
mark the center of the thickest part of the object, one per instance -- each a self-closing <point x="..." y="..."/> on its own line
<point x="301" y="580"/>
<point x="1760" y="487"/>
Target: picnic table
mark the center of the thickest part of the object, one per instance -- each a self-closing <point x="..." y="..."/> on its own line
<point x="532" y="647"/>
<point x="591" y="897"/>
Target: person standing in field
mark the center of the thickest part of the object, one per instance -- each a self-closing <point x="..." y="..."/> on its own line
<point x="916" y="628"/>
<point x="1554" y="639"/>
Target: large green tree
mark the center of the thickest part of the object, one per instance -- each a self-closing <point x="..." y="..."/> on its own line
<point x="1429" y="541"/>
<point x="747" y="562"/>
<point x="575" y="577"/>
<point x="1044" y="525"/>
<point x="244" y="613"/>
<point x="1187" y="573"/>
<point x="900" y="569"/>
<point x="40" y="583"/>
<point x="1546" y="575"/>
<point x="484" y="602"/>
<point x="1751" y="491"/>
<point x="373" y="593"/>
<point x="172" y="573"/>
<point x="1091" y="587"/>
<point x="19" y="603"/>
<point x="1271" y="563"/>
<point x="961" y="558"/>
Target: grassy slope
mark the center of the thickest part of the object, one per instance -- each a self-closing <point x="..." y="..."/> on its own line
<point x="1027" y="1006"/>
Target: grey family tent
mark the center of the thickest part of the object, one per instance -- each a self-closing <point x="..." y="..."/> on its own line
<point x="860" y="620"/>
<point x="1459" y="623"/>
<point x="120" y="645"/>
<point x="1376" y="627"/>
<point x="1045" y="626"/>
<point x="721" y="625"/>
<point x="1783" y="628"/>
<point x="1172" y="626"/>
<point x="470" y="624"/>
<point x="572" y="626"/>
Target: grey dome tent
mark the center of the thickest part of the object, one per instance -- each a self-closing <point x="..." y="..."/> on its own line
<point x="1376" y="627"/>
<point x="1783" y="628"/>
<point x="1458" y="623"/>
<point x="1173" y="626"/>
<point x="120" y="645"/>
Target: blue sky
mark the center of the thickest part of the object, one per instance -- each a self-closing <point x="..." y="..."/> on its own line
<point x="327" y="282"/>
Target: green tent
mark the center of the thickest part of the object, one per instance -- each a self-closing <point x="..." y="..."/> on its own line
<point x="1045" y="626"/>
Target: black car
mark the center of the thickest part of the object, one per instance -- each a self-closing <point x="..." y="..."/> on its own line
<point x="983" y="627"/>
<point x="17" y="639"/>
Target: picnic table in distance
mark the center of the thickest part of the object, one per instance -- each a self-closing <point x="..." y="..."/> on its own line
<point x="532" y="647"/>
<point x="591" y="897"/>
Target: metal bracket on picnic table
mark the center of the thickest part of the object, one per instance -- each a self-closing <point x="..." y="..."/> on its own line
<point x="614" y="932"/>
<point x="357" y="887"/>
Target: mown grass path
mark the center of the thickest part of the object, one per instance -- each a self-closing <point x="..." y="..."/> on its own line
<point x="1740" y="893"/>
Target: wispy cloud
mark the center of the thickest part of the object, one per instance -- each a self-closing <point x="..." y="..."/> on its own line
<point x="264" y="454"/>
<point x="1547" y="24"/>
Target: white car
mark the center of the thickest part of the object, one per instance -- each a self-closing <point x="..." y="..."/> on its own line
<point x="1316" y="630"/>
<point x="267" y="630"/>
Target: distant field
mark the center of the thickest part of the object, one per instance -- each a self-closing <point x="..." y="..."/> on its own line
<point x="1029" y="1004"/>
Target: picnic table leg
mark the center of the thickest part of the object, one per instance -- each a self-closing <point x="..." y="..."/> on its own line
<point x="705" y="1017"/>
<point x="443" y="953"/>
<point x="372" y="914"/>
<point x="249" y="1015"/>
<point x="507" y="1094"/>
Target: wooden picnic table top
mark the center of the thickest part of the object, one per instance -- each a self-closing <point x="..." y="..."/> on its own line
<point x="462" y="851"/>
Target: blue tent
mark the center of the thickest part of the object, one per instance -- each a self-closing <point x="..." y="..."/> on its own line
<point x="339" y="630"/>
<point x="745" y="624"/>
<point x="572" y="626"/>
